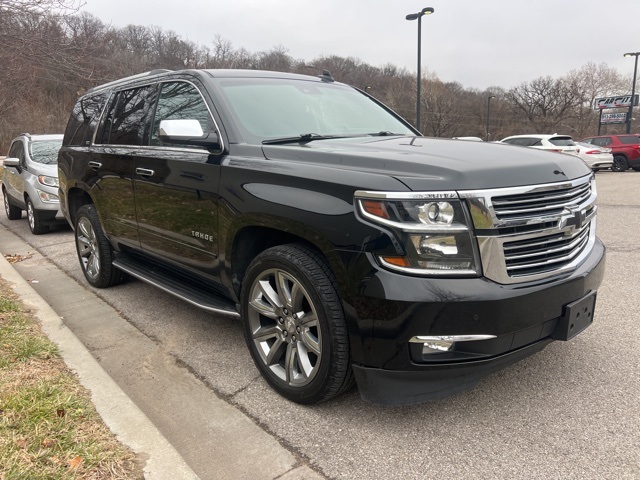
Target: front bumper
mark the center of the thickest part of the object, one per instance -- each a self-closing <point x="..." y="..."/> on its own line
<point x="524" y="318"/>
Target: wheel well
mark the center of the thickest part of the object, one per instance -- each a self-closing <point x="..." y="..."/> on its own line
<point x="620" y="155"/>
<point x="251" y="241"/>
<point x="76" y="198"/>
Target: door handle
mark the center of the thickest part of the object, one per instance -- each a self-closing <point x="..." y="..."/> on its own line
<point x="144" y="172"/>
<point x="95" y="165"/>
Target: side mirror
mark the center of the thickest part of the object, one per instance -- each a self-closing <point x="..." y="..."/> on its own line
<point x="187" y="132"/>
<point x="13" y="162"/>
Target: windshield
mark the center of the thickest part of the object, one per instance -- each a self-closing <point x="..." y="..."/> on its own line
<point x="45" y="151"/>
<point x="272" y="108"/>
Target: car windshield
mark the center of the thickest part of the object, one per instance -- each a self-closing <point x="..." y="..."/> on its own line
<point x="562" y="141"/>
<point x="273" y="108"/>
<point x="45" y="151"/>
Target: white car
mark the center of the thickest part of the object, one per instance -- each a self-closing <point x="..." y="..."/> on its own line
<point x="30" y="181"/>
<point x="598" y="158"/>
<point x="552" y="143"/>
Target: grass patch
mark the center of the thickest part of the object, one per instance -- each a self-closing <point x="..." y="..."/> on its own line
<point x="49" y="429"/>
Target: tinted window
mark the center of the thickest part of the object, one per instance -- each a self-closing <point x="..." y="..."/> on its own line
<point x="45" y="151"/>
<point x="523" y="141"/>
<point x="562" y="141"/>
<point x="126" y="120"/>
<point x="629" y="139"/>
<point x="180" y="101"/>
<point x="602" y="142"/>
<point x="83" y="120"/>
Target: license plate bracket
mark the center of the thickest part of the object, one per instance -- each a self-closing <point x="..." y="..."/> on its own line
<point x="577" y="316"/>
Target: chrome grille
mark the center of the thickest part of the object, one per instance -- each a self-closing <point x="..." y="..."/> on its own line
<point x="540" y="203"/>
<point x="533" y="232"/>
<point x="543" y="254"/>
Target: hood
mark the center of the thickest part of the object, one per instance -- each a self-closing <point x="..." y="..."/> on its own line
<point x="423" y="163"/>
<point x="49" y="169"/>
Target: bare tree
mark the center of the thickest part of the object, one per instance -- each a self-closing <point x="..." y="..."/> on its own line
<point x="40" y="6"/>
<point x="545" y="102"/>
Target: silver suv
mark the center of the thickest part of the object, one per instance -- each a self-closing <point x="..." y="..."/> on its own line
<point x="30" y="181"/>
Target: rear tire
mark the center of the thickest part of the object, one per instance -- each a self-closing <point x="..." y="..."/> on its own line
<point x="94" y="250"/>
<point x="619" y="163"/>
<point x="294" y="324"/>
<point x="13" y="212"/>
<point x="34" y="218"/>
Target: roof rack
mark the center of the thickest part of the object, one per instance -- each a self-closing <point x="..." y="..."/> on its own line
<point x="127" y="79"/>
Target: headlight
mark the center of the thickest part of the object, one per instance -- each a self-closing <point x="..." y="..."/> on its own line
<point x="48" y="181"/>
<point x="433" y="229"/>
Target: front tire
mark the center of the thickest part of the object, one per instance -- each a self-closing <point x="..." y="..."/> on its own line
<point x="35" y="219"/>
<point x="619" y="163"/>
<point x="294" y="324"/>
<point x="13" y="212"/>
<point x="94" y="250"/>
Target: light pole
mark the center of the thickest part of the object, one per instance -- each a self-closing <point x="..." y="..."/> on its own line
<point x="418" y="16"/>
<point x="633" y="89"/>
<point x="489" y="113"/>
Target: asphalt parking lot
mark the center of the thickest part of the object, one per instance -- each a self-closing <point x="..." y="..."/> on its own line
<point x="569" y="412"/>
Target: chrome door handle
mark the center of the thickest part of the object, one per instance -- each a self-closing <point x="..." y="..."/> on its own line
<point x="95" y="165"/>
<point x="145" y="172"/>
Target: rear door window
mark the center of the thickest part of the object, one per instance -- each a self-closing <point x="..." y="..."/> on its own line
<point x="126" y="121"/>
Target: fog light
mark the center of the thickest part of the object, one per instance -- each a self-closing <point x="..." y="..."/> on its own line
<point x="436" y="346"/>
<point x="444" y="343"/>
<point x="48" y="197"/>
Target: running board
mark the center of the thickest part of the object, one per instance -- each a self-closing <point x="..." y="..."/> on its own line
<point x="199" y="297"/>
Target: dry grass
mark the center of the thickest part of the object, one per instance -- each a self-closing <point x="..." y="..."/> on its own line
<point x="49" y="428"/>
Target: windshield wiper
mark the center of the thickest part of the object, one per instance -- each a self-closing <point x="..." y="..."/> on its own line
<point x="304" y="138"/>
<point x="386" y="133"/>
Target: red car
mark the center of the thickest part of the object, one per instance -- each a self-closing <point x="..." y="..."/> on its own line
<point x="625" y="150"/>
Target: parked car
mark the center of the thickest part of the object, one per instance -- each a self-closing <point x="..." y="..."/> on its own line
<point x="349" y="246"/>
<point x="625" y="150"/>
<point x="30" y="181"/>
<point x="551" y="143"/>
<point x="598" y="158"/>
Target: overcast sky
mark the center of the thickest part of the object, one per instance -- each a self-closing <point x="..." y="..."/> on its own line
<point x="479" y="43"/>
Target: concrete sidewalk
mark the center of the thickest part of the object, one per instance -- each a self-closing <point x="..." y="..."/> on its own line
<point x="154" y="405"/>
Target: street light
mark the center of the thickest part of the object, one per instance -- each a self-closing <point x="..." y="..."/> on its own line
<point x="633" y="89"/>
<point x="489" y="112"/>
<point x="418" y="16"/>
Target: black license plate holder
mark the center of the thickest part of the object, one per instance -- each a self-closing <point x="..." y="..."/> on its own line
<point x="577" y="316"/>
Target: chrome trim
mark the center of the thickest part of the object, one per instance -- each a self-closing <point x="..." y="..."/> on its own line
<point x="483" y="211"/>
<point x="427" y="272"/>
<point x="450" y="338"/>
<point x="451" y="194"/>
<point x="575" y="220"/>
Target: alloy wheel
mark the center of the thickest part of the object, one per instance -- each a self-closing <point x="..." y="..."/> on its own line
<point x="284" y="327"/>
<point x="88" y="251"/>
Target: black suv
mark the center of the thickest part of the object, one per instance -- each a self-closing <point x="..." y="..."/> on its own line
<point x="350" y="247"/>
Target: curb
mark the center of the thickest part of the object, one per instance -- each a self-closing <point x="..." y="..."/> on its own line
<point x="130" y="425"/>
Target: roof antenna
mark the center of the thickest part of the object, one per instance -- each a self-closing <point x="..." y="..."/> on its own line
<point x="326" y="76"/>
